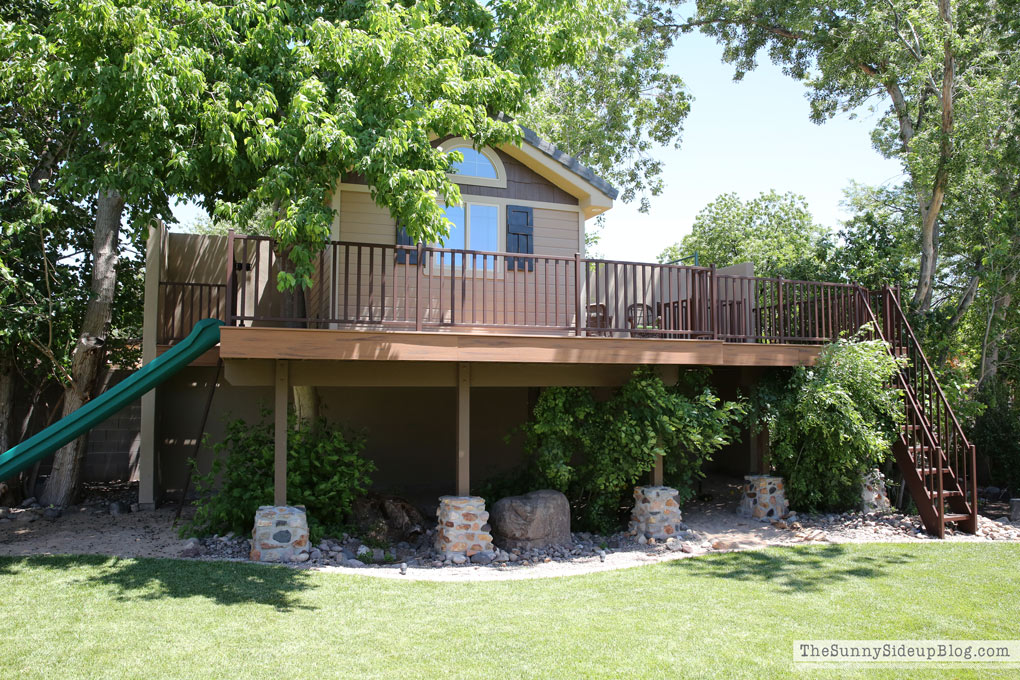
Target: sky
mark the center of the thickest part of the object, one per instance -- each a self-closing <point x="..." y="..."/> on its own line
<point x="745" y="137"/>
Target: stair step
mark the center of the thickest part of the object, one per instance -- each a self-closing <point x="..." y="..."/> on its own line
<point x="956" y="518"/>
<point x="946" y="494"/>
<point x="934" y="471"/>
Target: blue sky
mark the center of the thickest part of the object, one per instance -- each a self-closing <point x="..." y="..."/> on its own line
<point x="745" y="137"/>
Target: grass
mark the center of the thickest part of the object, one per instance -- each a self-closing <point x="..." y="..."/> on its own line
<point x="721" y="616"/>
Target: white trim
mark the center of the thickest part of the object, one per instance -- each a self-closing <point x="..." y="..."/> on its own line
<point x="593" y="200"/>
<point x="455" y="143"/>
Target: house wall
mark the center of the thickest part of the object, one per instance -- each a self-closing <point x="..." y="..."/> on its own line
<point x="410" y="431"/>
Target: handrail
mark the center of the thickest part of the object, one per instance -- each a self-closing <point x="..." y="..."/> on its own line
<point x="421" y="287"/>
<point x="927" y="367"/>
<point x="913" y="409"/>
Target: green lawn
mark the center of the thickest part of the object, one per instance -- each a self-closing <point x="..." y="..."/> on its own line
<point x="722" y="616"/>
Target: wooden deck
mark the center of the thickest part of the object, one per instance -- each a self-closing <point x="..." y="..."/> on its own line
<point x="330" y="345"/>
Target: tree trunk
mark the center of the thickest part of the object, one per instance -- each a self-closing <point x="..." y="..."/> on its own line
<point x="295" y="307"/>
<point x="88" y="355"/>
<point x="6" y="403"/>
<point x="930" y="213"/>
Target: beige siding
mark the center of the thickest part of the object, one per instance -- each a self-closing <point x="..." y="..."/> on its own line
<point x="556" y="232"/>
<point x="362" y="221"/>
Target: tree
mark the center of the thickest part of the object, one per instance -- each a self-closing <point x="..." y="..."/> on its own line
<point x="616" y="106"/>
<point x="775" y="232"/>
<point x="257" y="103"/>
<point x="919" y="58"/>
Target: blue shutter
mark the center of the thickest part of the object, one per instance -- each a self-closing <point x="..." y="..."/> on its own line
<point x="405" y="256"/>
<point x="520" y="236"/>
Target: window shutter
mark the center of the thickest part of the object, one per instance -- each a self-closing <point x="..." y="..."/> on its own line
<point x="520" y="236"/>
<point x="405" y="256"/>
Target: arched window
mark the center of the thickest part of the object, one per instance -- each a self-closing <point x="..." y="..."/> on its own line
<point x="479" y="167"/>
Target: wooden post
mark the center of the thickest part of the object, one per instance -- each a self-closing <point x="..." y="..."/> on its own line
<point x="657" y="472"/>
<point x="147" y="473"/>
<point x="577" y="295"/>
<point x="463" y="429"/>
<point x="713" y="296"/>
<point x="282" y="390"/>
<point x="419" y="312"/>
<point x="228" y="306"/>
<point x="781" y="312"/>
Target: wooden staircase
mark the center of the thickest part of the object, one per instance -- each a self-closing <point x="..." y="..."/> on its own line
<point x="937" y="462"/>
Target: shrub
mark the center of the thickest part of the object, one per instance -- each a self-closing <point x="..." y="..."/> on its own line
<point x="325" y="473"/>
<point x="830" y="423"/>
<point x="996" y="436"/>
<point x="595" y="451"/>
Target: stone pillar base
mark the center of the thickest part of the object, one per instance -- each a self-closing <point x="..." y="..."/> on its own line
<point x="873" y="495"/>
<point x="463" y="526"/>
<point x="280" y="534"/>
<point x="656" y="513"/>
<point x="764" y="498"/>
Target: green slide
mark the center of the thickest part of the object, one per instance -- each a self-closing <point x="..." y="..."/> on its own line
<point x="203" y="336"/>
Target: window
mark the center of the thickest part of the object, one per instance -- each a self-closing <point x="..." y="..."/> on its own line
<point x="474" y="165"/>
<point x="479" y="167"/>
<point x="473" y="226"/>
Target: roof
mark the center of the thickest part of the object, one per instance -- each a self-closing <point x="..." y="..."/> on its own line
<point x="569" y="162"/>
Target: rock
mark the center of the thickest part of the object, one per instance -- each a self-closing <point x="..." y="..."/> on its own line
<point x="720" y="544"/>
<point x="378" y="555"/>
<point x="363" y="550"/>
<point x="459" y="559"/>
<point x="388" y="519"/>
<point x="687" y="548"/>
<point x="52" y="513"/>
<point x="353" y="563"/>
<point x="299" y="557"/>
<point x="992" y="492"/>
<point x="539" y="519"/>
<point x="119" y="508"/>
<point x="192" y="548"/>
<point x="135" y="507"/>
<point x="4" y="512"/>
<point x="27" y="503"/>
<point x="1014" y="509"/>
<point x="315" y="554"/>
<point x="483" y="558"/>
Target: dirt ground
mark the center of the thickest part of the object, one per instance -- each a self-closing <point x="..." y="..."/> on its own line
<point x="90" y="528"/>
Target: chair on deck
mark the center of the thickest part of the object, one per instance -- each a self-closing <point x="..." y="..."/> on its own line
<point x="642" y="322"/>
<point x="599" y="322"/>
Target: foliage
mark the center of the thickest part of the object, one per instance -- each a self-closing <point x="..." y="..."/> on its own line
<point x="616" y="106"/>
<point x="773" y="231"/>
<point x="595" y="451"/>
<point x="831" y="423"/>
<point x="325" y="473"/>
<point x="996" y="436"/>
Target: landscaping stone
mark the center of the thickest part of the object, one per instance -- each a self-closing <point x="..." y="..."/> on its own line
<point x="119" y="508"/>
<point x="280" y="534"/>
<point x="764" y="498"/>
<point x="482" y="558"/>
<point x="462" y="528"/>
<point x="1014" y="509"/>
<point x="656" y="514"/>
<point x="539" y="519"/>
<point x="873" y="494"/>
<point x="52" y="513"/>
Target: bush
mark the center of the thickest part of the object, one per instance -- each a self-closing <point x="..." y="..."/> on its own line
<point x="325" y="473"/>
<point x="996" y="436"/>
<point x="830" y="423"/>
<point x="595" y="452"/>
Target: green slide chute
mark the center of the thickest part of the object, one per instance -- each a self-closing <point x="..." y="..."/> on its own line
<point x="203" y="336"/>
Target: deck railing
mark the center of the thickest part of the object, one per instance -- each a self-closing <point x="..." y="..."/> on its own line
<point x="377" y="286"/>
